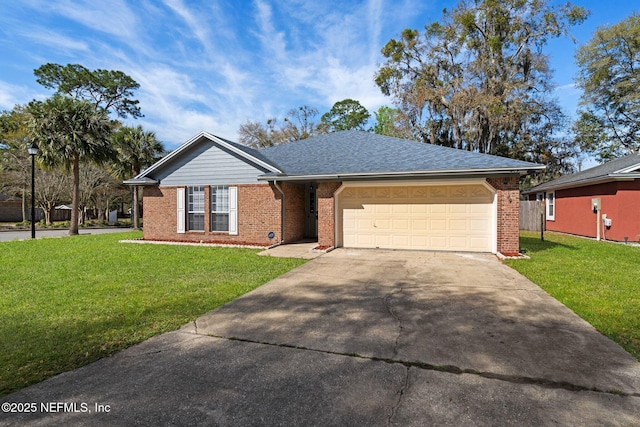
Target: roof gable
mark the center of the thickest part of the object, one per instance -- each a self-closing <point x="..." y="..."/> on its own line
<point x="197" y="145"/>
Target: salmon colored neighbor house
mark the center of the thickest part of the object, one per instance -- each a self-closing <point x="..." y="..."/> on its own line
<point x="602" y="202"/>
<point x="351" y="189"/>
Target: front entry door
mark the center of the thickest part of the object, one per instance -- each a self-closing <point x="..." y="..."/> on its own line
<point x="311" y="210"/>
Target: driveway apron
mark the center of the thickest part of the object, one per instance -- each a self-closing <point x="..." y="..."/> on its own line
<point x="366" y="337"/>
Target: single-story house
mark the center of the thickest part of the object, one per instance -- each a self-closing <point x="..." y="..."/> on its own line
<point x="600" y="202"/>
<point x="346" y="189"/>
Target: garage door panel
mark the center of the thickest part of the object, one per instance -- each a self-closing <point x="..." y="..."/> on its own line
<point x="438" y="225"/>
<point x="418" y="241"/>
<point x="457" y="208"/>
<point x="458" y="242"/>
<point x="458" y="225"/>
<point x="438" y="242"/>
<point x="400" y="241"/>
<point x="479" y="225"/>
<point x="400" y="224"/>
<point x="479" y="208"/>
<point x="418" y="225"/>
<point x="437" y="218"/>
<point x="478" y="243"/>
<point x="383" y="240"/>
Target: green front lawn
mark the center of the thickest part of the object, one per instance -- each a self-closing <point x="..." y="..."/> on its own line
<point x="65" y="302"/>
<point x="599" y="281"/>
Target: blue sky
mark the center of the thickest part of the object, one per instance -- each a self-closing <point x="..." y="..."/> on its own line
<point x="213" y="64"/>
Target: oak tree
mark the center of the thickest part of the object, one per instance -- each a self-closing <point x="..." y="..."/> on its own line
<point x="609" y="71"/>
<point x="345" y="115"/>
<point x="478" y="79"/>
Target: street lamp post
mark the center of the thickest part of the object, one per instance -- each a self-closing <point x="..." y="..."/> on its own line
<point x="33" y="150"/>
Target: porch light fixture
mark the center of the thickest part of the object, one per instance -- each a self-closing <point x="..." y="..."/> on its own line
<point x="33" y="150"/>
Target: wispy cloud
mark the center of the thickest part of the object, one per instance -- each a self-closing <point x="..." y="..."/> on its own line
<point x="12" y="95"/>
<point x="113" y="17"/>
<point x="273" y="42"/>
<point x="570" y="86"/>
<point x="197" y="28"/>
<point x="211" y="65"/>
<point x="55" y="40"/>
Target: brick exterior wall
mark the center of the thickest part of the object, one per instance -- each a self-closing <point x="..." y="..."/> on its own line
<point x="259" y="211"/>
<point x="326" y="213"/>
<point x="259" y="208"/>
<point x="620" y="201"/>
<point x="508" y="194"/>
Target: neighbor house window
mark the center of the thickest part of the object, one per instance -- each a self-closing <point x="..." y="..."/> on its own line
<point x="195" y="209"/>
<point x="219" y="208"/>
<point x="551" y="206"/>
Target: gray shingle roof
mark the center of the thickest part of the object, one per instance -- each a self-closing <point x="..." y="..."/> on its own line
<point x="357" y="152"/>
<point x="352" y="153"/>
<point x="250" y="151"/>
<point x="609" y="170"/>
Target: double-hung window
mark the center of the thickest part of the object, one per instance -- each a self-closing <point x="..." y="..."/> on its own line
<point x="195" y="208"/>
<point x="551" y="206"/>
<point x="219" y="208"/>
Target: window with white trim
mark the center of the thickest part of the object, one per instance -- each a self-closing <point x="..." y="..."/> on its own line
<point x="219" y="208"/>
<point x="551" y="205"/>
<point x="195" y="208"/>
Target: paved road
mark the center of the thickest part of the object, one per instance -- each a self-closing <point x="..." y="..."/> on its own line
<point x="22" y="235"/>
<point x="371" y="338"/>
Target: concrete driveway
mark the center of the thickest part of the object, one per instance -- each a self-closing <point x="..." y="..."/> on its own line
<point x="359" y="337"/>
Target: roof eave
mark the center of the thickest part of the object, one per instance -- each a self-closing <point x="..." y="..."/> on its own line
<point x="141" y="181"/>
<point x="403" y="174"/>
<point x="612" y="177"/>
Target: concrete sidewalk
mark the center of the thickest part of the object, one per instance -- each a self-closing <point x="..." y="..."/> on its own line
<point x="9" y="235"/>
<point x="364" y="338"/>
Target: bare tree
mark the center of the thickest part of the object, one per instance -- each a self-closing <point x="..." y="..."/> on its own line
<point x="299" y="124"/>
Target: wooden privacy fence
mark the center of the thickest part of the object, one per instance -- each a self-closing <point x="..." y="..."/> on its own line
<point x="531" y="212"/>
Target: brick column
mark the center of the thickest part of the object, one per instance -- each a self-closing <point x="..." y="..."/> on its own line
<point x="326" y="213"/>
<point x="508" y="194"/>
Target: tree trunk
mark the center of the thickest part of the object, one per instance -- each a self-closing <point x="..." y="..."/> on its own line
<point x="136" y="214"/>
<point x="73" y="225"/>
<point x="48" y="214"/>
<point x="24" y="205"/>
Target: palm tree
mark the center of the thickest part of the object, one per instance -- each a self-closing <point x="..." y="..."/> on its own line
<point x="136" y="149"/>
<point x="68" y="131"/>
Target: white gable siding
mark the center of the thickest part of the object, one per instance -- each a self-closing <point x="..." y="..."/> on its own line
<point x="207" y="164"/>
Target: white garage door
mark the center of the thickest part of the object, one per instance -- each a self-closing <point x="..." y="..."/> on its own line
<point x="451" y="218"/>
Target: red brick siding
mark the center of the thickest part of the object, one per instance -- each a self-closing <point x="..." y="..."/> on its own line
<point x="259" y="210"/>
<point x="258" y="214"/>
<point x="620" y="201"/>
<point x="508" y="195"/>
<point x="160" y="221"/>
<point x="326" y="213"/>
